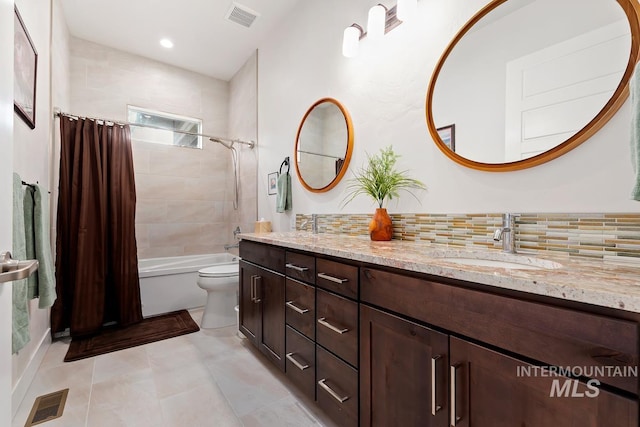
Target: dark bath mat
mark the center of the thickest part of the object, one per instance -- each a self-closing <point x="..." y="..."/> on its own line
<point x="151" y="329"/>
<point x="47" y="407"/>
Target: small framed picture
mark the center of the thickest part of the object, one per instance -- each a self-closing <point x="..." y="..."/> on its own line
<point x="24" y="70"/>
<point x="272" y="179"/>
<point x="448" y="136"/>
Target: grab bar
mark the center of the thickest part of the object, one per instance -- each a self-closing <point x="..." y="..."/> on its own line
<point x="11" y="269"/>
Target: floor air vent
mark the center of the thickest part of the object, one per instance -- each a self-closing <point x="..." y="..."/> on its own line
<point x="241" y="15"/>
<point x="47" y="407"/>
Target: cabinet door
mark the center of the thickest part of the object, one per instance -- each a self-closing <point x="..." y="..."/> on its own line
<point x="270" y="289"/>
<point x="506" y="392"/>
<point x="249" y="306"/>
<point x="403" y="372"/>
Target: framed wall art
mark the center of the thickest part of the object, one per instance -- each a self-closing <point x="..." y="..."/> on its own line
<point x="272" y="179"/>
<point x="448" y="136"/>
<point x="25" y="67"/>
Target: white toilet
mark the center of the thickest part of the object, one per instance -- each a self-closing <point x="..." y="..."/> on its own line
<point x="221" y="284"/>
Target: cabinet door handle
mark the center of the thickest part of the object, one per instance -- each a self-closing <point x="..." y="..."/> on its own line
<point x="454" y="416"/>
<point x="332" y="279"/>
<point x="333" y="394"/>
<point x="295" y="267"/>
<point x="298" y="365"/>
<point x="326" y="324"/>
<point x="252" y="290"/>
<point x="256" y="300"/>
<point x="434" y="391"/>
<point x="293" y="307"/>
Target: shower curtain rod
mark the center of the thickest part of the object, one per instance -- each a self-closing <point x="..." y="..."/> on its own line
<point x="218" y="139"/>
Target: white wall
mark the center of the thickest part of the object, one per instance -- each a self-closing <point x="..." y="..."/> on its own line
<point x="384" y="88"/>
<point x="6" y="220"/>
<point x="31" y="160"/>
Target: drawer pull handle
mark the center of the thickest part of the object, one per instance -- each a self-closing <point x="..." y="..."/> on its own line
<point x="296" y="363"/>
<point x="454" y="415"/>
<point x="326" y="324"/>
<point x="434" y="405"/>
<point x="333" y="394"/>
<point x="293" y="307"/>
<point x="295" y="267"/>
<point x="331" y="278"/>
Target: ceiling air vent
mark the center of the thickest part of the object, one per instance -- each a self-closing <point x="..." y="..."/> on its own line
<point x="241" y="15"/>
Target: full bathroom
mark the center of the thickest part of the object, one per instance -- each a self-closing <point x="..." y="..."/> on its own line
<point x="524" y="252"/>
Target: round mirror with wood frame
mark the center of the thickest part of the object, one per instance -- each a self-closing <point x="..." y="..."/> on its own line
<point x="324" y="144"/>
<point x="450" y="125"/>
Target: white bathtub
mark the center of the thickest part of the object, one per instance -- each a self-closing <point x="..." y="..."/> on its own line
<point x="169" y="284"/>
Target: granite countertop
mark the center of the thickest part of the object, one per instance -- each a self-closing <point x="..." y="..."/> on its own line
<point x="588" y="281"/>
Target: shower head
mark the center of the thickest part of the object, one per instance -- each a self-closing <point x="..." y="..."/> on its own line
<point x="219" y="141"/>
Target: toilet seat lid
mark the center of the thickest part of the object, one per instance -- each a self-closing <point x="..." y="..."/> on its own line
<point x="223" y="270"/>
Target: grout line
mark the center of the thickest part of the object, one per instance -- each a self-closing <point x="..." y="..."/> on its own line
<point x="93" y="373"/>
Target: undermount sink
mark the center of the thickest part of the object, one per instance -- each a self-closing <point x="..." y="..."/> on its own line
<point x="500" y="260"/>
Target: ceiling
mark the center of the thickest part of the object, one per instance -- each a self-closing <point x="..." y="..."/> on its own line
<point x="204" y="41"/>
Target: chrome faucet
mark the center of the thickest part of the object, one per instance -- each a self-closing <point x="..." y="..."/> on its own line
<point x="314" y="224"/>
<point x="228" y="246"/>
<point x="506" y="233"/>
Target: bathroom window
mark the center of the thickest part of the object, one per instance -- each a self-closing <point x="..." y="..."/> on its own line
<point x="162" y="128"/>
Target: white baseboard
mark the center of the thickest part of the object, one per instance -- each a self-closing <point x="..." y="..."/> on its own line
<point x="23" y="383"/>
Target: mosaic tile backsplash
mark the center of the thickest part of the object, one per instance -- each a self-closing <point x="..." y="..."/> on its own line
<point x="611" y="236"/>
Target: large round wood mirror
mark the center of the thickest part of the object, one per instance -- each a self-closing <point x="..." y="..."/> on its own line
<point x="324" y="144"/>
<point x="525" y="81"/>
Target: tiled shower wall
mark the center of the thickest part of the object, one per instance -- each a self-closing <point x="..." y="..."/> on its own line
<point x="612" y="236"/>
<point x="184" y="195"/>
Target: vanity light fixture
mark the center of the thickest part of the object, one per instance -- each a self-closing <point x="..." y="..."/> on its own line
<point x="380" y="21"/>
<point x="376" y="22"/>
<point x="351" y="40"/>
<point x="406" y="9"/>
<point x="166" y="43"/>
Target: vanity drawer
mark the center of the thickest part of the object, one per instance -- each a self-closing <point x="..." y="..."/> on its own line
<point x="551" y="335"/>
<point x="301" y="267"/>
<point x="271" y="257"/>
<point x="337" y="325"/>
<point x="337" y="277"/>
<point x="301" y="362"/>
<point x="300" y="307"/>
<point x="337" y="388"/>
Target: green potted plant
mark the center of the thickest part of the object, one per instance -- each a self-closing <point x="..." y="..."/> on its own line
<point x="380" y="180"/>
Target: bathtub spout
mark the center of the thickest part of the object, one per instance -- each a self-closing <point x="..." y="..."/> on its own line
<point x="228" y="246"/>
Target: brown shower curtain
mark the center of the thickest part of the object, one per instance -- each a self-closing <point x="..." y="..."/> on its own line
<point x="96" y="253"/>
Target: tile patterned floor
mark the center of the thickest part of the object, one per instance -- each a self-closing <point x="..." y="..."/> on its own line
<point x="208" y="378"/>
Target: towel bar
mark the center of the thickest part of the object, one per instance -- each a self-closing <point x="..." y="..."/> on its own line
<point x="11" y="269"/>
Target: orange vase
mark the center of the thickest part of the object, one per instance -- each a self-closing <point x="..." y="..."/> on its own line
<point x="380" y="228"/>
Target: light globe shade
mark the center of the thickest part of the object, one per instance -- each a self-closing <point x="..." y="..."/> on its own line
<point x="376" y="22"/>
<point x="350" y="41"/>
<point x="406" y="9"/>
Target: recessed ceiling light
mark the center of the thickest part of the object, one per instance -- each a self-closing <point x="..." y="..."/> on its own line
<point x="166" y="43"/>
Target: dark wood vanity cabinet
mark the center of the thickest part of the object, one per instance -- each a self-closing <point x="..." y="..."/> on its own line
<point x="494" y="342"/>
<point x="262" y="300"/>
<point x="377" y="346"/>
<point x="322" y="333"/>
